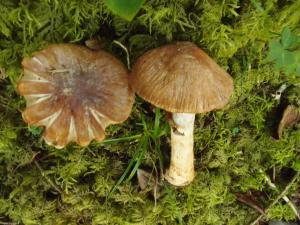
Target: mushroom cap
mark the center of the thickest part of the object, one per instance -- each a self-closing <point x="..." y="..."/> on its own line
<point x="74" y="93"/>
<point x="181" y="78"/>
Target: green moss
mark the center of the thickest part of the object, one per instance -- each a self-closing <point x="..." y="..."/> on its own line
<point x="43" y="185"/>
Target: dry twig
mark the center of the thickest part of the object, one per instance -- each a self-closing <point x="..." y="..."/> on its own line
<point x="281" y="195"/>
<point x="47" y="178"/>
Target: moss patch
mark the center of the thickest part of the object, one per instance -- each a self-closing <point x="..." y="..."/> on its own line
<point x="234" y="147"/>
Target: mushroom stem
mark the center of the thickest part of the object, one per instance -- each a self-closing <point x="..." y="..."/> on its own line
<point x="181" y="171"/>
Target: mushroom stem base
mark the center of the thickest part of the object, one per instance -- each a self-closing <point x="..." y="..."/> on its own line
<point x="181" y="171"/>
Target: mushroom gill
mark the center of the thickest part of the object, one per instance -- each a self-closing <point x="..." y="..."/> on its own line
<point x="74" y="93"/>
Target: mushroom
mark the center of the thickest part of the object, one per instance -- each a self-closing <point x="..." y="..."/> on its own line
<point x="182" y="79"/>
<point x="75" y="93"/>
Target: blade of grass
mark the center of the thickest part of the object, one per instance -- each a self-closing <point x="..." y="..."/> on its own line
<point x="134" y="163"/>
<point x="143" y="148"/>
<point x="115" y="140"/>
<point x="157" y="133"/>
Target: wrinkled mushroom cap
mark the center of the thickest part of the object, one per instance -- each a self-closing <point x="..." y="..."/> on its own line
<point x="181" y="78"/>
<point x="74" y="93"/>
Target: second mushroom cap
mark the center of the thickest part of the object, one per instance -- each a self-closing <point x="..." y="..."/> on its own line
<point x="181" y="78"/>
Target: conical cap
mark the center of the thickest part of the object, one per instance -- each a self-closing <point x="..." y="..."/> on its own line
<point x="181" y="78"/>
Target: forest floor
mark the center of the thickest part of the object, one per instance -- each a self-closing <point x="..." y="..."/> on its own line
<point x="244" y="170"/>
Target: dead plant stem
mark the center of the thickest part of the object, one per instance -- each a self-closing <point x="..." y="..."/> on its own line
<point x="281" y="195"/>
<point x="47" y="178"/>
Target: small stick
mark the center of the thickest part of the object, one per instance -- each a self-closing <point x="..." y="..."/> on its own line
<point x="285" y="198"/>
<point x="126" y="50"/>
<point x="47" y="178"/>
<point x="281" y="195"/>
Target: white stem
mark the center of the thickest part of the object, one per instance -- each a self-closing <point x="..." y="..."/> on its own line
<point x="181" y="171"/>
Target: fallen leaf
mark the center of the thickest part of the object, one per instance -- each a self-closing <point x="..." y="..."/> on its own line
<point x="290" y="117"/>
<point x="249" y="200"/>
<point x="148" y="180"/>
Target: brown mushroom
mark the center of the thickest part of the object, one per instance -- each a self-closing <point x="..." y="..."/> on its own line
<point x="75" y="93"/>
<point x="183" y="80"/>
